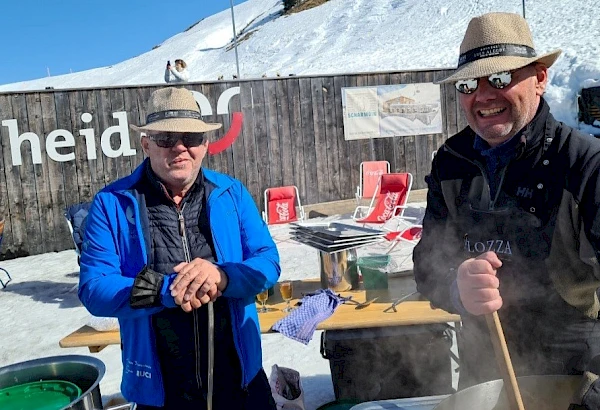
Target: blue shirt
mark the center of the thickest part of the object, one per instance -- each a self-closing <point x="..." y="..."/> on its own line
<point x="496" y="158"/>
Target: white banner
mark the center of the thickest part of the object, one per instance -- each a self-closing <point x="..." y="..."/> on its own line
<point x="391" y="110"/>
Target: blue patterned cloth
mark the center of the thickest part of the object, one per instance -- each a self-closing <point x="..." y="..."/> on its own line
<point x="301" y="323"/>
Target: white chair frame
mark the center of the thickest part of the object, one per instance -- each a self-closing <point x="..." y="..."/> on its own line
<point x="300" y="213"/>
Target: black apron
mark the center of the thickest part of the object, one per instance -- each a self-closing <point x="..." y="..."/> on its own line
<point x="545" y="335"/>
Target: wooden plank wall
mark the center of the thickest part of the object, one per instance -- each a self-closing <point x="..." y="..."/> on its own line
<point x="292" y="134"/>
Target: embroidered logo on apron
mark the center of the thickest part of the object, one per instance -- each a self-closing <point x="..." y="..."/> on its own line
<point x="500" y="246"/>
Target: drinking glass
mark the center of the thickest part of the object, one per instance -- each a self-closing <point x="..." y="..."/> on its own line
<point x="285" y="288"/>
<point x="262" y="298"/>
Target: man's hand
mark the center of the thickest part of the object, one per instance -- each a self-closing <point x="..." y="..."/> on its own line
<point x="197" y="283"/>
<point x="478" y="284"/>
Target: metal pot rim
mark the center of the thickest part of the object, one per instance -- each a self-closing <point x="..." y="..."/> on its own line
<point x="97" y="364"/>
<point x="494" y="388"/>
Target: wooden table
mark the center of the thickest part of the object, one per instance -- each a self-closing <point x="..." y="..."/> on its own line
<point x="414" y="311"/>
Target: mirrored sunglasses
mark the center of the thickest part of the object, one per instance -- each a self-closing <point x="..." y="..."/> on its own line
<point x="496" y="80"/>
<point x="169" y="140"/>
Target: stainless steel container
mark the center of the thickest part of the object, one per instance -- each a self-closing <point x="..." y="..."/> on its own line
<point x="338" y="270"/>
<point x="538" y="392"/>
<point x="85" y="371"/>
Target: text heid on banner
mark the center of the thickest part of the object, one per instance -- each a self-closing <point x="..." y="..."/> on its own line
<point x="61" y="138"/>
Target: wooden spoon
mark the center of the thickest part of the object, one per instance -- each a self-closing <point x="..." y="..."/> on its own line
<point x="515" y="402"/>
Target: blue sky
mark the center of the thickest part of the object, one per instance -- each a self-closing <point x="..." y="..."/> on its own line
<point x="64" y="35"/>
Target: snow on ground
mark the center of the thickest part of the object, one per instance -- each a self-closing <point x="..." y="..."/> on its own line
<point x="40" y="306"/>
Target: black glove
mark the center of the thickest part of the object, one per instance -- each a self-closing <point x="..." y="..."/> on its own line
<point x="146" y="289"/>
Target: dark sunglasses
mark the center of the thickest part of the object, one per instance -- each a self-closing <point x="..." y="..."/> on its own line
<point x="168" y="140"/>
<point x="496" y="80"/>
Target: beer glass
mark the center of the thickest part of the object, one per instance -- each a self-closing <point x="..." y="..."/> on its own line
<point x="285" y="288"/>
<point x="262" y="298"/>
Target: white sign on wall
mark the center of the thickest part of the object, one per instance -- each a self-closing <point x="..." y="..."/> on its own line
<point x="391" y="110"/>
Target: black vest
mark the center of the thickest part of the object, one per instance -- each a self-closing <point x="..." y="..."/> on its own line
<point x="181" y="338"/>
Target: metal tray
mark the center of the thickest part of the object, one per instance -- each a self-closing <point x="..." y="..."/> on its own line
<point x="335" y="247"/>
<point x="336" y="230"/>
<point x="317" y="237"/>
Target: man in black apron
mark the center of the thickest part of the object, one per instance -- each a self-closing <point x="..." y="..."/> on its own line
<point x="513" y="213"/>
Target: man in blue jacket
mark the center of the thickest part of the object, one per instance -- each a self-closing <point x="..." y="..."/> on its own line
<point x="177" y="253"/>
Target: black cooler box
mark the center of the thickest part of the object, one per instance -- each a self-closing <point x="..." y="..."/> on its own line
<point x="389" y="362"/>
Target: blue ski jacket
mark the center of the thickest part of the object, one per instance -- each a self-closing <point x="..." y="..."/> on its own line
<point x="115" y="250"/>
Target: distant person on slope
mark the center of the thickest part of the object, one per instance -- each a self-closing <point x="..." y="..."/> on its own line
<point x="179" y="74"/>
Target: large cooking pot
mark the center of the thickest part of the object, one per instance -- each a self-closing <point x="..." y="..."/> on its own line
<point x="538" y="392"/>
<point x="84" y="371"/>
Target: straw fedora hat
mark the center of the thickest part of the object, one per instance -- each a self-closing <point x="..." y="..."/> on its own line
<point x="173" y="109"/>
<point x="497" y="42"/>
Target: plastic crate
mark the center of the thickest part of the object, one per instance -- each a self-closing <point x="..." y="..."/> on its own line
<point x="389" y="363"/>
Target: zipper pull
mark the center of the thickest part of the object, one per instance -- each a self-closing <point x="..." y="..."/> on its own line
<point x="181" y="224"/>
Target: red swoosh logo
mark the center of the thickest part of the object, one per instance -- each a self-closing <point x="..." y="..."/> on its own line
<point x="228" y="139"/>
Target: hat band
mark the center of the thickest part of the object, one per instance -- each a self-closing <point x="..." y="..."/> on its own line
<point x="162" y="115"/>
<point x="495" y="50"/>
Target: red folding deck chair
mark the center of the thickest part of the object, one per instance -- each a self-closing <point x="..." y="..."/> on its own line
<point x="370" y="171"/>
<point x="280" y="205"/>
<point x="407" y="238"/>
<point x="388" y="203"/>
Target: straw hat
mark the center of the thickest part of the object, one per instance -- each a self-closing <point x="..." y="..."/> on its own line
<point x="497" y="42"/>
<point x="174" y="109"/>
